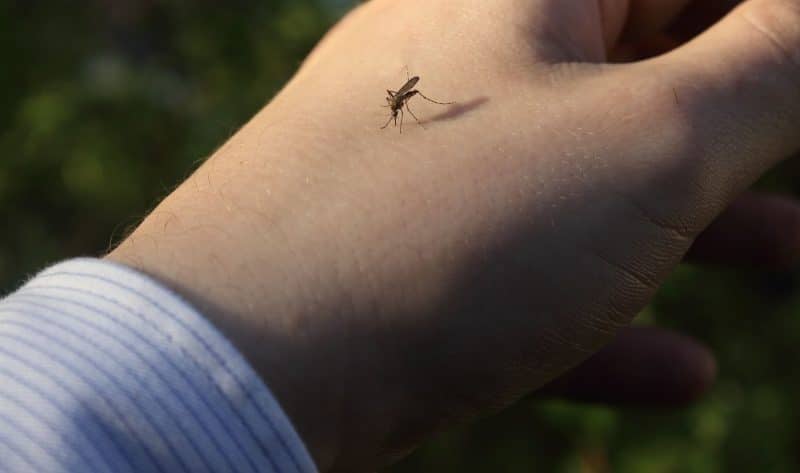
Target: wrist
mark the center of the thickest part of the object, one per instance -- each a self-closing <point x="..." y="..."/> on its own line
<point x="251" y="241"/>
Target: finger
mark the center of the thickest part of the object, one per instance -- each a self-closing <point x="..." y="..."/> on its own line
<point x="649" y="17"/>
<point x="684" y="18"/>
<point x="609" y="21"/>
<point x="631" y="20"/>
<point x="698" y="15"/>
<point x="643" y="48"/>
<point x="618" y="18"/>
<point x="757" y="230"/>
<point x="643" y="365"/>
<point x="657" y="26"/>
<point x="746" y="72"/>
<point x="720" y="110"/>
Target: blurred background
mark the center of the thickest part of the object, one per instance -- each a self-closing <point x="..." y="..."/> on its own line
<point x="106" y="105"/>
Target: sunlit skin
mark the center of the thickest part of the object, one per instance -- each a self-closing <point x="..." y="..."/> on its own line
<point x="388" y="286"/>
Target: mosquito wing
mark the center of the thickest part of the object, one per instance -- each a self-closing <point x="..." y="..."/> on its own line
<point x="407" y="86"/>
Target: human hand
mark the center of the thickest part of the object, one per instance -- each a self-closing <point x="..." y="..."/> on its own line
<point x="387" y="285"/>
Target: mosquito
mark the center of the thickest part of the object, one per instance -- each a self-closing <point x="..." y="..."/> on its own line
<point x="399" y="99"/>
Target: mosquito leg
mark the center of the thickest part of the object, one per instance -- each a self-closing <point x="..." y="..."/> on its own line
<point x="401" y="120"/>
<point x="412" y="114"/>
<point x="391" y="93"/>
<point x="431" y="100"/>
<point x="389" y="120"/>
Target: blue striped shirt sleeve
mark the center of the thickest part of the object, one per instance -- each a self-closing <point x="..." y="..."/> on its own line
<point x="104" y="370"/>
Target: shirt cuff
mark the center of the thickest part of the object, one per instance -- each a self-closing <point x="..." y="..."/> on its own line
<point x="103" y="369"/>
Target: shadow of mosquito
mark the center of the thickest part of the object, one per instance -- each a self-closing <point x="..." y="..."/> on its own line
<point x="456" y="110"/>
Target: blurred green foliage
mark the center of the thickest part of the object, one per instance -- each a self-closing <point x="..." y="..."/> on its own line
<point x="105" y="105"/>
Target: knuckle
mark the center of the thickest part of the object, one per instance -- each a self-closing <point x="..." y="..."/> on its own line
<point x="777" y="22"/>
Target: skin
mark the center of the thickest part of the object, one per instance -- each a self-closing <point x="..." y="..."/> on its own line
<point x="386" y="286"/>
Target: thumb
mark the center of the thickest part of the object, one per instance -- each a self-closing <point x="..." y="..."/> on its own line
<point x="736" y="91"/>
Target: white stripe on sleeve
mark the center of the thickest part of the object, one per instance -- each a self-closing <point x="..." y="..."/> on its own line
<point x="103" y="369"/>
